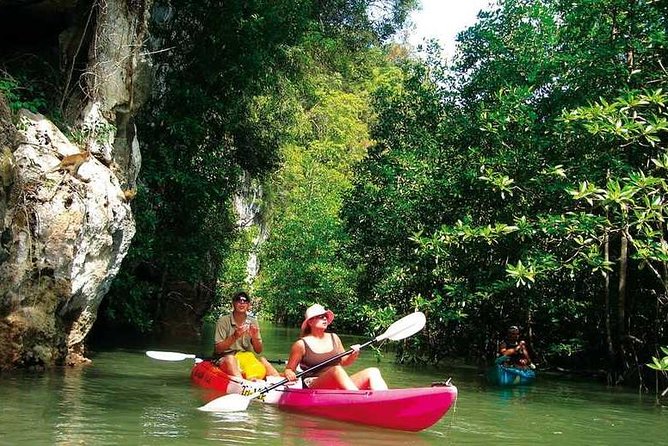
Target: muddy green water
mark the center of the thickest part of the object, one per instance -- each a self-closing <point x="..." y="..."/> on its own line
<point x="125" y="398"/>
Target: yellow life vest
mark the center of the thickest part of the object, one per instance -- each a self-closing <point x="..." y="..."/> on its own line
<point x="251" y="367"/>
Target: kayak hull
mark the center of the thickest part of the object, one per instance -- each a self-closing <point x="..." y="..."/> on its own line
<point x="208" y="375"/>
<point x="511" y="376"/>
<point x="410" y="409"/>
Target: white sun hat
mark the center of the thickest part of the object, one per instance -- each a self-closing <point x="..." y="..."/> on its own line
<point x="317" y="310"/>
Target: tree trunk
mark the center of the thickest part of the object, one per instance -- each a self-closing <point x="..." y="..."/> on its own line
<point x="608" y="322"/>
<point x="621" y="304"/>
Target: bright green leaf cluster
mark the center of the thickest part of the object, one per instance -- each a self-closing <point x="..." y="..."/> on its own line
<point x="660" y="364"/>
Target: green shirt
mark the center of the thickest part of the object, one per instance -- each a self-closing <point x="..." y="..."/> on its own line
<point x="225" y="328"/>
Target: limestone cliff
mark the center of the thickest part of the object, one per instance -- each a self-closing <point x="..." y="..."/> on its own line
<point x="65" y="216"/>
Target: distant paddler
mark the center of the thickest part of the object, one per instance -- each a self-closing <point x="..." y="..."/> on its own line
<point x="514" y="351"/>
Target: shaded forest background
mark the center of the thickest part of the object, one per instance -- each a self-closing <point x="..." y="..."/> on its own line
<point x="522" y="182"/>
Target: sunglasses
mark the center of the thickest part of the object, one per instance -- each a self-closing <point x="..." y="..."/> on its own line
<point x="243" y="300"/>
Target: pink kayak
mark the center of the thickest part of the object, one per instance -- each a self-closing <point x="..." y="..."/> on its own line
<point x="411" y="409"/>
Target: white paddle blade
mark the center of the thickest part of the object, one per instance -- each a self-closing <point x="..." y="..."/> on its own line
<point x="404" y="327"/>
<point x="168" y="356"/>
<point x="232" y="402"/>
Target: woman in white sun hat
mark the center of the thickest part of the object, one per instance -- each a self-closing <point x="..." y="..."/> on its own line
<point x="317" y="345"/>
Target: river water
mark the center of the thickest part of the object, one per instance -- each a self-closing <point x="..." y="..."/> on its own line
<point x="126" y="398"/>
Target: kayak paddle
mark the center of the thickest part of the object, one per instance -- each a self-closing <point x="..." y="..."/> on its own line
<point x="176" y="356"/>
<point x="169" y="356"/>
<point x="401" y="329"/>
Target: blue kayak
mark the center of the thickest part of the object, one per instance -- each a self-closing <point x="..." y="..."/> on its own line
<point x="507" y="375"/>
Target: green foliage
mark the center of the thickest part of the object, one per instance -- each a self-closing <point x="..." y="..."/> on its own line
<point x="305" y="261"/>
<point x="233" y="274"/>
<point x="134" y="310"/>
<point x="241" y="83"/>
<point x="391" y="181"/>
<point x="662" y="363"/>
<point x="634" y="204"/>
<point x="500" y="191"/>
<point x="220" y="112"/>
<point x="101" y="132"/>
<point x="20" y="94"/>
<point x="301" y="259"/>
<point x="566" y="349"/>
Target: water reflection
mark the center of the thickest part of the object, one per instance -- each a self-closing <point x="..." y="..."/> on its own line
<point x="71" y="421"/>
<point x="303" y="429"/>
<point x="266" y="424"/>
<point x="256" y="425"/>
<point x="514" y="394"/>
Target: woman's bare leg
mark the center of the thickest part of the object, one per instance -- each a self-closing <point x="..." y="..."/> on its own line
<point x="369" y="379"/>
<point x="334" y="378"/>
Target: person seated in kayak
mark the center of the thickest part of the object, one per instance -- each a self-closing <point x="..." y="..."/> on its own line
<point x="237" y="340"/>
<point x="317" y="345"/>
<point x="513" y="350"/>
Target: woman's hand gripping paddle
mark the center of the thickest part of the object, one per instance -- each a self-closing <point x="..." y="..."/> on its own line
<point x="401" y="329"/>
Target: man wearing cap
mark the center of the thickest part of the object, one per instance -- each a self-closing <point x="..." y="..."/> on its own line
<point x="237" y="339"/>
<point x="515" y="351"/>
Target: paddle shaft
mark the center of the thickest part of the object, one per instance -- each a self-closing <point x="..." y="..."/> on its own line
<point x="272" y="361"/>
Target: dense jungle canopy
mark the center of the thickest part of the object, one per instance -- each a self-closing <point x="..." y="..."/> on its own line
<point x="522" y="182"/>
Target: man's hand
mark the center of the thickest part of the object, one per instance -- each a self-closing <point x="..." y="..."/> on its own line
<point x="240" y="331"/>
<point x="254" y="331"/>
